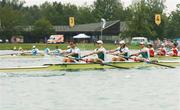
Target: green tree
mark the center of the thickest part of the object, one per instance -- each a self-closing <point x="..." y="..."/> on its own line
<point x="57" y="13"/>
<point x="143" y="15"/>
<point x="50" y="13"/>
<point x="15" y="4"/>
<point x="174" y="23"/>
<point x="9" y="19"/>
<point x="30" y="15"/>
<point x="108" y="9"/>
<point x="68" y="11"/>
<point x="42" y="28"/>
<point x="85" y="15"/>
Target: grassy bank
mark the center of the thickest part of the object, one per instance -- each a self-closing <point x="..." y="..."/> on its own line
<point x="41" y="46"/>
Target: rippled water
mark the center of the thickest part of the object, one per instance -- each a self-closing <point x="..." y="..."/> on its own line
<point x="112" y="89"/>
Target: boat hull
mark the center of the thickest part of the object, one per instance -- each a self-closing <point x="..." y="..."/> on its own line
<point x="90" y="66"/>
<point x="118" y="64"/>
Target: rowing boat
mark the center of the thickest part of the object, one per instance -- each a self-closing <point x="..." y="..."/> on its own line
<point x="88" y="66"/>
<point x="27" y="56"/>
<point x="161" y="58"/>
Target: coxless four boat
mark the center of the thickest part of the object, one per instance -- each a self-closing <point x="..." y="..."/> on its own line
<point x="90" y="66"/>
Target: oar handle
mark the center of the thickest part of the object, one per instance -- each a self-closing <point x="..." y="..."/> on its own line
<point x="111" y="65"/>
<point x="128" y="56"/>
<point x="81" y="58"/>
<point x="84" y="56"/>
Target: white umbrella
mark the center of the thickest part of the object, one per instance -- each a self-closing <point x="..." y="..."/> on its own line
<point x="81" y="36"/>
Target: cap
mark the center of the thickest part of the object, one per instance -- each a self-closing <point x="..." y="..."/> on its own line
<point x="68" y="47"/>
<point x="122" y="42"/>
<point x="34" y="46"/>
<point x="162" y="44"/>
<point x="141" y="43"/>
<point x="99" y="42"/>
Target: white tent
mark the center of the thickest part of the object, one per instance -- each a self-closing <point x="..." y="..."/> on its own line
<point x="81" y="36"/>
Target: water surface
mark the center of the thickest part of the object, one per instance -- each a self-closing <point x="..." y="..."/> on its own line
<point x="111" y="89"/>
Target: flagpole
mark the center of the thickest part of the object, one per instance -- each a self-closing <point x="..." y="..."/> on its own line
<point x="101" y="33"/>
<point x="103" y="23"/>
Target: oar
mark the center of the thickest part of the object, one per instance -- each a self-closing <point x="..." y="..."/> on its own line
<point x="53" y="64"/>
<point x="156" y="63"/>
<point x="106" y="64"/>
<point x="9" y="54"/>
<point x="25" y="67"/>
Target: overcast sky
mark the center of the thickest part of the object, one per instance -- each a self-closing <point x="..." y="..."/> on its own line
<point x="171" y="4"/>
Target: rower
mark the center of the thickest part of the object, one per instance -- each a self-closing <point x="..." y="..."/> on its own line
<point x="20" y="51"/>
<point x="68" y="49"/>
<point x="151" y="50"/>
<point x="100" y="51"/>
<point x="47" y="51"/>
<point x="73" y="53"/>
<point x="174" y="50"/>
<point x="122" y="52"/>
<point x="14" y="48"/>
<point x="143" y="55"/>
<point x="34" y="50"/>
<point x="162" y="50"/>
<point x="57" y="51"/>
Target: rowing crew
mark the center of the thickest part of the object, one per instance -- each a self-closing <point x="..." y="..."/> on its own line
<point x="100" y="51"/>
<point x="57" y="52"/>
<point x="162" y="51"/>
<point x="121" y="53"/>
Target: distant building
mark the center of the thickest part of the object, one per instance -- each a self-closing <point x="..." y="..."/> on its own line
<point x="111" y="31"/>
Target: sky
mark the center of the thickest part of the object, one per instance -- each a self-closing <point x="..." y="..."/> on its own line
<point x="171" y="4"/>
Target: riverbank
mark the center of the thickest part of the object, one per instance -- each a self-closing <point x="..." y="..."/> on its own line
<point x="42" y="46"/>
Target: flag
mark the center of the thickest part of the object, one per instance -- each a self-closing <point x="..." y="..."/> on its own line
<point x="103" y="23"/>
<point x="71" y="22"/>
<point x="158" y="19"/>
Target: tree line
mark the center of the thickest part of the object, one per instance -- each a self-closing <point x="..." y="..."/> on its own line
<point x="139" y="17"/>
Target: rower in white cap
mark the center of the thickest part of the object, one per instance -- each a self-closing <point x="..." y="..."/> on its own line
<point x="122" y="52"/>
<point x="143" y="54"/>
<point x="100" y="51"/>
<point x="34" y="50"/>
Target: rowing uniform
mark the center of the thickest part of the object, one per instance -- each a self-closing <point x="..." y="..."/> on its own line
<point x="57" y="51"/>
<point x="76" y="51"/>
<point x="47" y="51"/>
<point x="102" y="54"/>
<point x="34" y="51"/>
<point x="124" y="50"/>
<point x="68" y="51"/>
<point x="151" y="52"/>
<point x="174" y="51"/>
<point x="162" y="51"/>
<point x="145" y="53"/>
